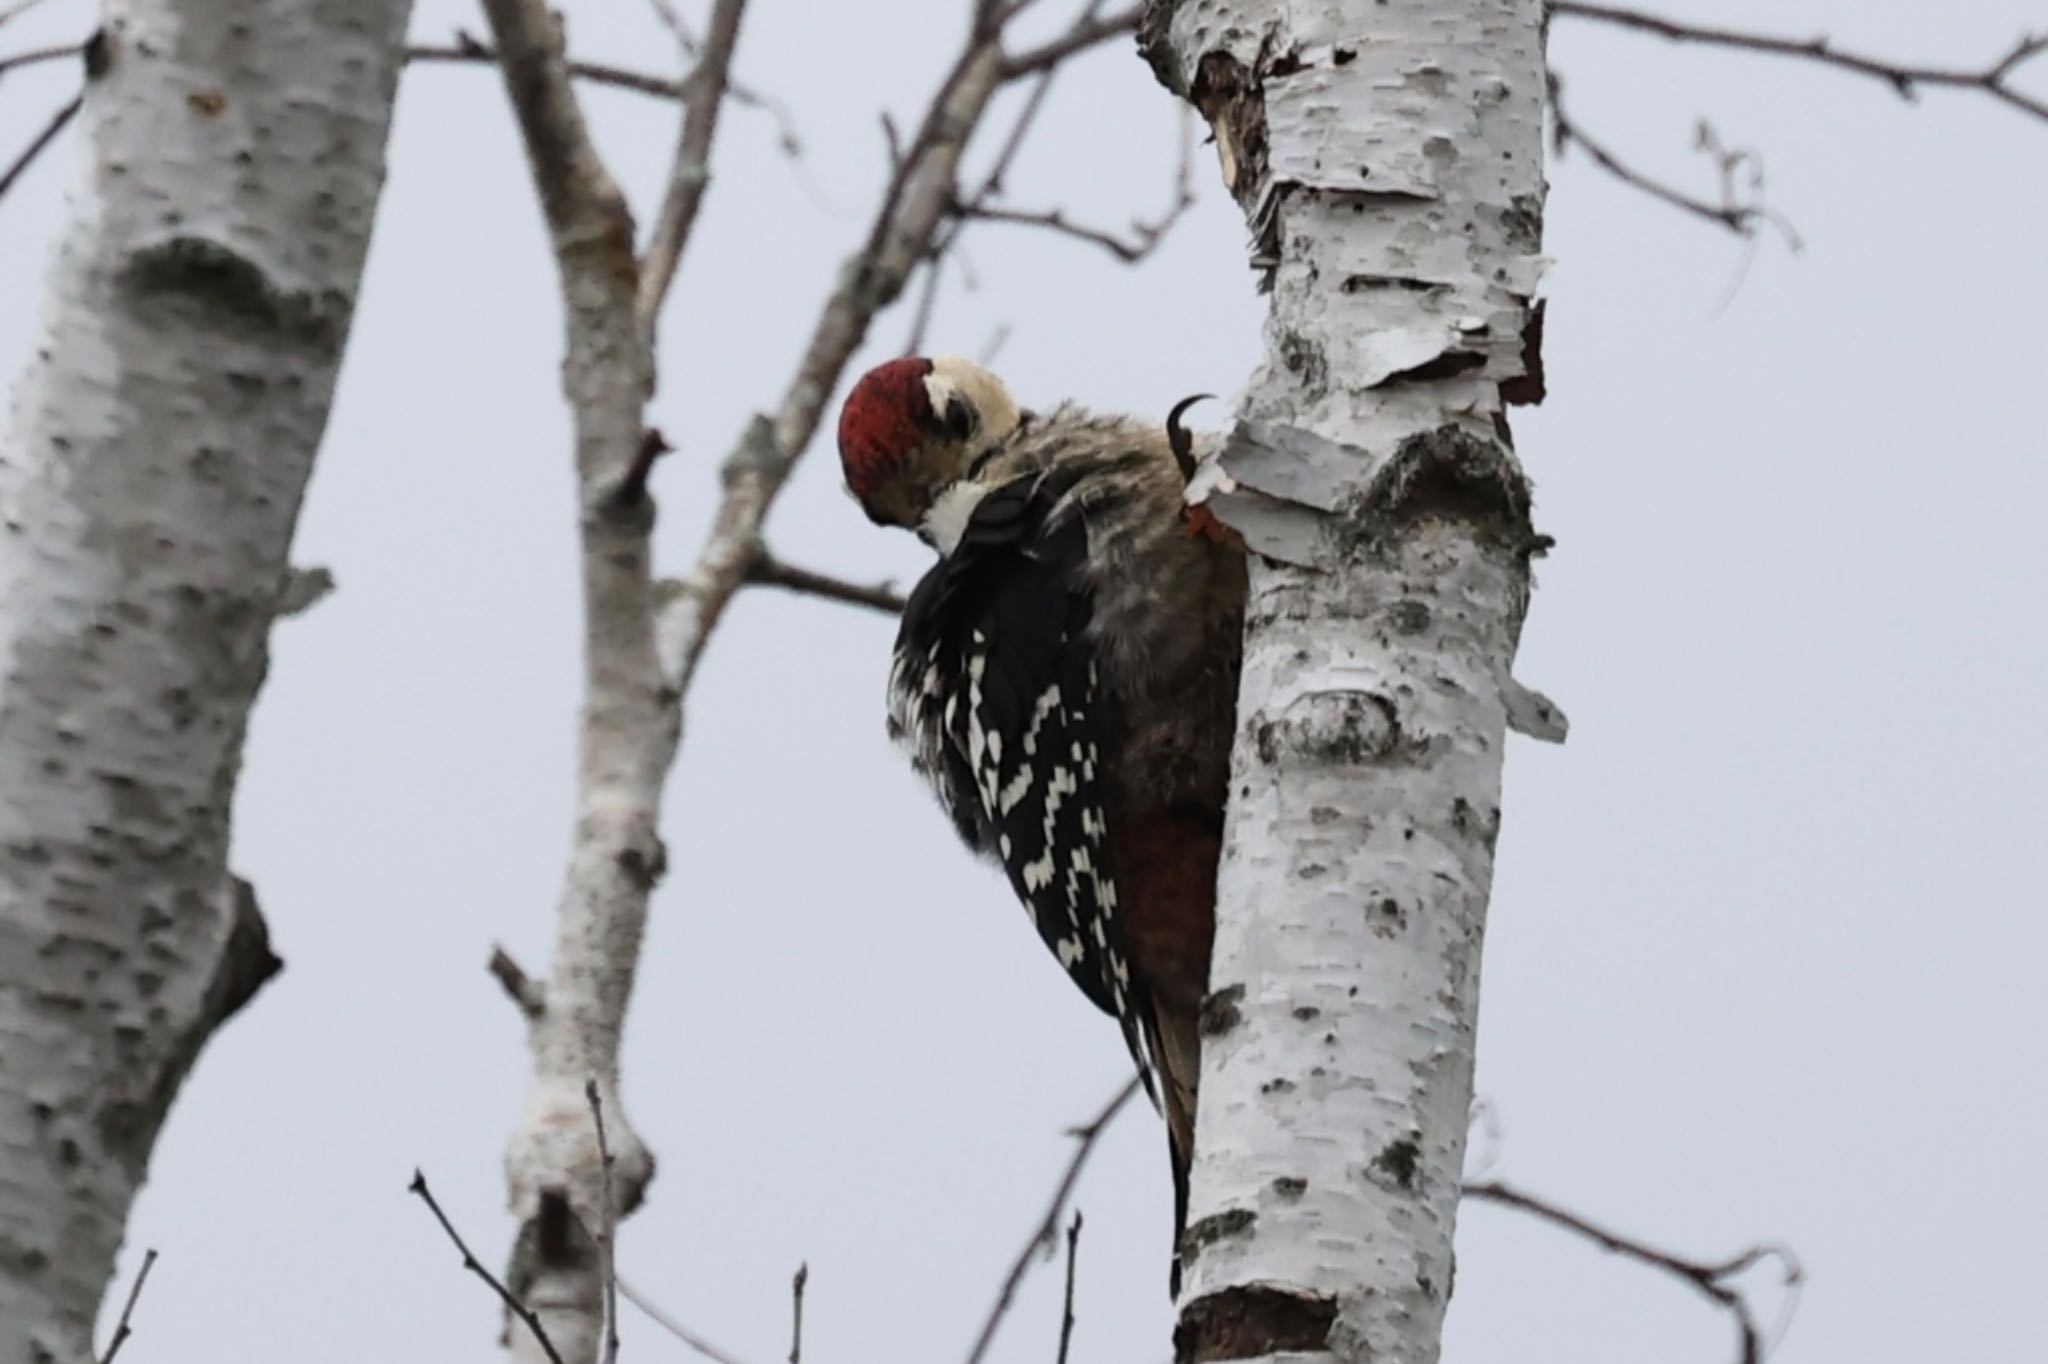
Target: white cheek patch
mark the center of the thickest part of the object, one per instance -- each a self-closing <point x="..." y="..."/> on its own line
<point x="939" y="391"/>
<point x="950" y="512"/>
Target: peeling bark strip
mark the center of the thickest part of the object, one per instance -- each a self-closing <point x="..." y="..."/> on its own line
<point x="156" y="452"/>
<point x="1387" y="155"/>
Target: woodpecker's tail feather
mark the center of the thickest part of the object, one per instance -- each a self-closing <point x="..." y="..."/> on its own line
<point x="1177" y="1049"/>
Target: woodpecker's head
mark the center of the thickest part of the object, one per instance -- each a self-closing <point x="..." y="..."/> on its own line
<point x="913" y="427"/>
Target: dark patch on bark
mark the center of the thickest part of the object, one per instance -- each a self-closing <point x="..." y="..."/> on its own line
<point x="1289" y="1187"/>
<point x="1251" y="1322"/>
<point x="99" y="54"/>
<point x="1400" y="1163"/>
<point x="645" y="864"/>
<point x="1156" y="46"/>
<point x="1363" y="283"/>
<point x="230" y="291"/>
<point x="1230" y="98"/>
<point x="1305" y="361"/>
<point x="1409" y="616"/>
<point x="1527" y="388"/>
<point x="1448" y="365"/>
<point x="1340" y="728"/>
<point x="127" y="1119"/>
<point x="1220" y="1012"/>
<point x="1451" y="474"/>
<point x="1219" y="1227"/>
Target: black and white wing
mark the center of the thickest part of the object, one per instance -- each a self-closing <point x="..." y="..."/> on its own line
<point x="994" y="693"/>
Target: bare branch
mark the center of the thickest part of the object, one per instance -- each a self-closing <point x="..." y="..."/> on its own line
<point x="1145" y="236"/>
<point x="1044" y="1235"/>
<point x="632" y="484"/>
<point x="1067" y="1310"/>
<point x="10" y="12"/>
<point x="608" y="1241"/>
<point x="796" y="1312"/>
<point x="36" y="56"/>
<point x="674" y="1327"/>
<point x="475" y="1266"/>
<point x="1733" y="211"/>
<point x="526" y="992"/>
<point x="928" y="296"/>
<point x="564" y="1183"/>
<point x="122" y="1330"/>
<point x="41" y="141"/>
<point x="768" y="571"/>
<point x="1903" y="77"/>
<point x="912" y="207"/>
<point x="567" y="171"/>
<point x="1083" y="35"/>
<point x="703" y="97"/>
<point x="467" y="51"/>
<point x="892" y="140"/>
<point x="1711" y="1280"/>
<point x="997" y="339"/>
<point x="672" y="19"/>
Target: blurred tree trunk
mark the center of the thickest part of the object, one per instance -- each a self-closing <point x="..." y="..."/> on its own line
<point x="158" y="447"/>
<point x="1388" y="155"/>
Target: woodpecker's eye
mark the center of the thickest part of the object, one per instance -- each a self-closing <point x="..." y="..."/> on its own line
<point x="960" y="418"/>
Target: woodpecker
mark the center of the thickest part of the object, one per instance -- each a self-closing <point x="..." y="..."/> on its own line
<point x="1065" y="677"/>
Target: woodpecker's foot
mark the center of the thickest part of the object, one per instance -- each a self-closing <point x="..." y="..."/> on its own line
<point x="1180" y="439"/>
<point x="1202" y="524"/>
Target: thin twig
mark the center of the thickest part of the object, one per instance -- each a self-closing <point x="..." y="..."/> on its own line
<point x="1067" y="1310"/>
<point x="1082" y="36"/>
<point x="122" y="1330"/>
<point x="672" y="19"/>
<point x="674" y="1327"/>
<point x="978" y="204"/>
<point x="526" y="992"/>
<point x="796" y="1312"/>
<point x="912" y="208"/>
<point x="475" y="1266"/>
<point x="768" y="571"/>
<point x="36" y="56"/>
<point x="1045" y="1234"/>
<point x="1903" y="77"/>
<point x="703" y="97"/>
<point x="1710" y="1279"/>
<point x="15" y="11"/>
<point x="610" y="1228"/>
<point x="632" y="485"/>
<point x="1732" y="212"/>
<point x="42" y="140"/>
<point x="997" y="339"/>
<point x="467" y="51"/>
<point x="1145" y="236"/>
<point x="927" y="298"/>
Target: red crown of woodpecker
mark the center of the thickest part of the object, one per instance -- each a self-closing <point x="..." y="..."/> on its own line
<point x="887" y="416"/>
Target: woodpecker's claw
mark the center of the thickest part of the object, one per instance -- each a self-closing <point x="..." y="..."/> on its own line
<point x="1180" y="439"/>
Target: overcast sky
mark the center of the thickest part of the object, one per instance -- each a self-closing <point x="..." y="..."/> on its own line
<point x="1767" y="934"/>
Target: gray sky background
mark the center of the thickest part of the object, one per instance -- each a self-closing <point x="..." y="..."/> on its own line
<point x="1767" y="934"/>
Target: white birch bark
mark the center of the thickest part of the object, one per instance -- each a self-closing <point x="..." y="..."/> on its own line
<point x="158" y="446"/>
<point x="1388" y="155"/>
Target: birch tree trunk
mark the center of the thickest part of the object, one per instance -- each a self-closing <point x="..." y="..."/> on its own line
<point x="158" y="446"/>
<point x="1388" y="156"/>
